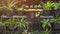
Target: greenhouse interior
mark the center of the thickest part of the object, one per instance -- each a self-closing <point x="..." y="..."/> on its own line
<point x="29" y="16"/>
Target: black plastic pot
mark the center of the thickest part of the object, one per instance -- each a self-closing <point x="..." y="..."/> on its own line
<point x="57" y="12"/>
<point x="10" y="13"/>
<point x="10" y="28"/>
<point x="56" y="26"/>
<point x="6" y="13"/>
<point x="46" y="12"/>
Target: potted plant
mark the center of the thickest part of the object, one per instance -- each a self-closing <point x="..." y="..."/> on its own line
<point x="47" y="8"/>
<point x="56" y="22"/>
<point x="18" y="23"/>
<point x="23" y="24"/>
<point x="9" y="8"/>
<point x="57" y="8"/>
<point x="4" y="24"/>
<point x="11" y="23"/>
<point x="46" y="25"/>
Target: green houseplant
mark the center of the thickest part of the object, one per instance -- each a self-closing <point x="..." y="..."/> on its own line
<point x="56" y="22"/>
<point x="56" y="5"/>
<point x="9" y="8"/>
<point x="48" y="7"/>
<point x="18" y="23"/>
<point x="57" y="8"/>
<point x="11" y="4"/>
<point x="4" y="24"/>
<point x="22" y="23"/>
<point x="46" y="25"/>
<point x="10" y="25"/>
<point x="45" y="22"/>
<point x="13" y="23"/>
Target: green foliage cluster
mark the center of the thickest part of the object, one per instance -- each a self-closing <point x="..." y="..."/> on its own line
<point x="12" y="21"/>
<point x="47" y="22"/>
<point x="51" y="5"/>
<point x="10" y="5"/>
<point x="48" y="5"/>
<point x="57" y="5"/>
<point x="56" y="19"/>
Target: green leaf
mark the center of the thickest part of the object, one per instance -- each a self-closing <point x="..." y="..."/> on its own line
<point x="43" y="26"/>
<point x="48" y="5"/>
<point x="49" y="24"/>
<point x="47" y="31"/>
<point x="45" y="22"/>
<point x="11" y="4"/>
